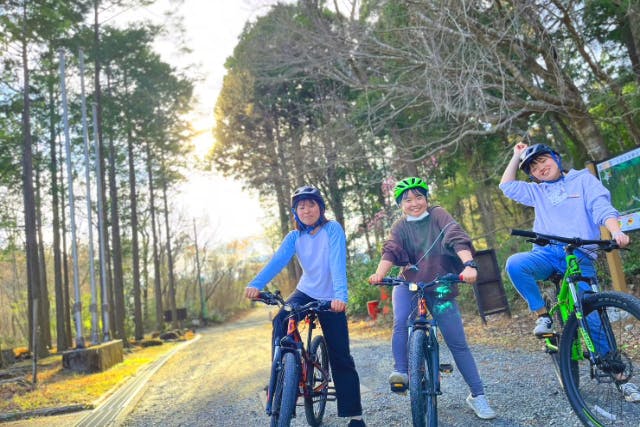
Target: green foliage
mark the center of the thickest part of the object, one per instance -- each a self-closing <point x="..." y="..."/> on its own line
<point x="360" y="291"/>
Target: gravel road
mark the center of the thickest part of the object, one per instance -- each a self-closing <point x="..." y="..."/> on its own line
<point x="219" y="381"/>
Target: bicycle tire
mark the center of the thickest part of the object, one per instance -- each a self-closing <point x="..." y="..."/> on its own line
<point x="316" y="401"/>
<point x="593" y="391"/>
<point x="286" y="391"/>
<point x="424" y="410"/>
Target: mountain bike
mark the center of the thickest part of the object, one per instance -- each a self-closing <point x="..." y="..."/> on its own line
<point x="299" y="369"/>
<point x="424" y="350"/>
<point x="596" y="344"/>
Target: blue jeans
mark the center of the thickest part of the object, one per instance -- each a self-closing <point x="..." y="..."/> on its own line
<point x="525" y="269"/>
<point x="450" y="325"/>
<point x="343" y="369"/>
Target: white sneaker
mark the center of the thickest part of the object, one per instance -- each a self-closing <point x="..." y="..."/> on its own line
<point x="544" y="325"/>
<point x="481" y="407"/>
<point x="630" y="392"/>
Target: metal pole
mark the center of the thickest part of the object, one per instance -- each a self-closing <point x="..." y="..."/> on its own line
<point x="77" y="306"/>
<point x="101" y="233"/>
<point x="93" y="308"/>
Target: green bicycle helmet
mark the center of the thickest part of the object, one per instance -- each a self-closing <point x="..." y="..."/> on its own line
<point x="407" y="184"/>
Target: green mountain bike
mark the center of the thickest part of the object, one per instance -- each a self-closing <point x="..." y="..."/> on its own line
<point x="596" y="344"/>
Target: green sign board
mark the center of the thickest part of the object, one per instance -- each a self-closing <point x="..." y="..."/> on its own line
<point x="621" y="175"/>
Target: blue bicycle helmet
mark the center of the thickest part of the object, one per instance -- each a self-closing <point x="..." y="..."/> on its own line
<point x="533" y="152"/>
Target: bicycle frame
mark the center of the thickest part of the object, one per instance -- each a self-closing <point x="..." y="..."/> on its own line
<point x="292" y="343"/>
<point x="568" y="301"/>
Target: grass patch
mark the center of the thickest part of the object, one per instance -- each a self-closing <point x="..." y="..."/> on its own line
<point x="59" y="387"/>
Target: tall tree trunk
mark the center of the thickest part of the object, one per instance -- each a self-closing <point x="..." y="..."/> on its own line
<point x="109" y="304"/>
<point x="62" y="340"/>
<point x="145" y="277"/>
<point x="154" y="236"/>
<point x="65" y="260"/>
<point x="44" y="305"/>
<point x="172" y="284"/>
<point x="135" y="250"/>
<point x="118" y="277"/>
<point x="33" y="269"/>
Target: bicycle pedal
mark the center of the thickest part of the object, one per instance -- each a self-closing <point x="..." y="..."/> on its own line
<point x="399" y="388"/>
<point x="446" y="368"/>
<point x="547" y="335"/>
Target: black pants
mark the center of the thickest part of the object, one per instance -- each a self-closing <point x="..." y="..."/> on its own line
<point x="343" y="369"/>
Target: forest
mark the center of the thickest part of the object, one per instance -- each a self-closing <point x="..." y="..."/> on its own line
<point x="347" y="95"/>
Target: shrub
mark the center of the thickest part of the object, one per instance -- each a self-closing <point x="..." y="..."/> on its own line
<point x="360" y="291"/>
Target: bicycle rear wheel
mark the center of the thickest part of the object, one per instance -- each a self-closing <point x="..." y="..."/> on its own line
<point x="317" y="382"/>
<point x="422" y="369"/>
<point x="286" y="392"/>
<point x="594" y="390"/>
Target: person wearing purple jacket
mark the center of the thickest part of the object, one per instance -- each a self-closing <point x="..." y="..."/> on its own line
<point x="427" y="242"/>
<point x="567" y="204"/>
<point x="321" y="250"/>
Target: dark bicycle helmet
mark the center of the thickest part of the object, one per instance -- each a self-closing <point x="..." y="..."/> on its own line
<point x="307" y="192"/>
<point x="407" y="184"/>
<point x="533" y="152"/>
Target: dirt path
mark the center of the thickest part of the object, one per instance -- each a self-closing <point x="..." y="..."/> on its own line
<point x="219" y="382"/>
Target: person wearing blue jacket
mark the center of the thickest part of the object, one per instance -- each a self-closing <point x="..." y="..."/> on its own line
<point x="320" y="246"/>
<point x="567" y="204"/>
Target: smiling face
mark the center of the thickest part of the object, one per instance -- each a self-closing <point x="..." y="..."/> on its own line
<point x="308" y="211"/>
<point x="544" y="168"/>
<point x="413" y="203"/>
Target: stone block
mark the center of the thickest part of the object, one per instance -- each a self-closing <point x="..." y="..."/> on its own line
<point x="96" y="358"/>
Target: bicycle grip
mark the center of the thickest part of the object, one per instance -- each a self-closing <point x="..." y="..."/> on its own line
<point x="524" y="233"/>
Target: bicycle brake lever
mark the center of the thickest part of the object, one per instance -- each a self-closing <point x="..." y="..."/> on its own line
<point x="539" y="241"/>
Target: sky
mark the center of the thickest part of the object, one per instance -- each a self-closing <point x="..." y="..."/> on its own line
<point x="222" y="208"/>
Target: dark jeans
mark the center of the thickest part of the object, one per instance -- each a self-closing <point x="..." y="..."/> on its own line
<point x="343" y="369"/>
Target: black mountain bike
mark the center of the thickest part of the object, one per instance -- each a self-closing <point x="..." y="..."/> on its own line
<point x="595" y="346"/>
<point x="424" y="351"/>
<point x="298" y="369"/>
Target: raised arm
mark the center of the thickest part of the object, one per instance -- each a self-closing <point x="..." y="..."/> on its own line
<point x="511" y="170"/>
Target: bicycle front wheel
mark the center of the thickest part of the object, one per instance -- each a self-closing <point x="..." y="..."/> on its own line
<point x="286" y="392"/>
<point x="596" y="390"/>
<point x="422" y="370"/>
<point x="317" y="385"/>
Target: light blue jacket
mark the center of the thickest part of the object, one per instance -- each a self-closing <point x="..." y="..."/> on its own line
<point x="574" y="206"/>
<point x="323" y="258"/>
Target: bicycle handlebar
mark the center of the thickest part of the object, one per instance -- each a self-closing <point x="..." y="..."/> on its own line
<point x="310" y="306"/>
<point x="276" y="299"/>
<point x="270" y="298"/>
<point x="545" y="239"/>
<point x="449" y="278"/>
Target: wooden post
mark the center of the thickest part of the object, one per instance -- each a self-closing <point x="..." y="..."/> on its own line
<point x="614" y="261"/>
